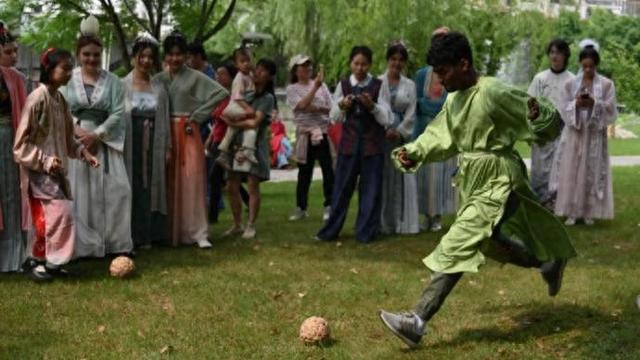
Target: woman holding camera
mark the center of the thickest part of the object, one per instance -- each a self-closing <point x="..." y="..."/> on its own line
<point x="581" y="173"/>
<point x="361" y="149"/>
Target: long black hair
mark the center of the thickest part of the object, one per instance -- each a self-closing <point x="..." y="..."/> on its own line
<point x="49" y="60"/>
<point x="272" y="69"/>
<point x="5" y="35"/>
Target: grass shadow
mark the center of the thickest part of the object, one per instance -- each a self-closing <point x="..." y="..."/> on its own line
<point x="590" y="330"/>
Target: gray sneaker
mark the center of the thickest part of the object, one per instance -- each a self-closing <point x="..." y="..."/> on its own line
<point x="298" y="214"/>
<point x="407" y="326"/>
<point x="552" y="273"/>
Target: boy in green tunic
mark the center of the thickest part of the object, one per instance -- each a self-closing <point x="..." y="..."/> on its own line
<point x="499" y="215"/>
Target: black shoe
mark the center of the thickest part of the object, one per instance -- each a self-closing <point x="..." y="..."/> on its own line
<point x="30" y="263"/>
<point x="58" y="272"/>
<point x="40" y="274"/>
<point x="407" y="326"/>
<point x="552" y="272"/>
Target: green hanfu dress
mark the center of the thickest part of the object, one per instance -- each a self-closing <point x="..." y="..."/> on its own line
<point x="482" y="124"/>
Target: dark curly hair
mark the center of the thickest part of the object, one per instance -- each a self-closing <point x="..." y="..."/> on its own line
<point x="449" y="49"/>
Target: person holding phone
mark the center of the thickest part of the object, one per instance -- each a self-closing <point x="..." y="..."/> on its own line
<point x="310" y="101"/>
<point x="581" y="173"/>
<point x="364" y="115"/>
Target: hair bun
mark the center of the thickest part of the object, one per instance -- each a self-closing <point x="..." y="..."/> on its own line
<point x="89" y="26"/>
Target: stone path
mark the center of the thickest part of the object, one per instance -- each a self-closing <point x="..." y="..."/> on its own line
<point x="292" y="175"/>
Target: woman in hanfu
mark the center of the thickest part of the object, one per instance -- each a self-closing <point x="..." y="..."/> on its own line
<point x="436" y="194"/>
<point x="581" y="174"/>
<point x="148" y="144"/>
<point x="192" y="97"/>
<point x="13" y="203"/>
<point x="101" y="199"/>
<point x="399" y="190"/>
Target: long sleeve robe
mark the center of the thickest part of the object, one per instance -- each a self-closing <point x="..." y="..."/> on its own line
<point x="102" y="199"/>
<point x="482" y="124"/>
<point x="581" y="174"/>
<point x="399" y="190"/>
<point x="551" y="86"/>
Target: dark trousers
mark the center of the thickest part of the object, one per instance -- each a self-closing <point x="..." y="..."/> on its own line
<point x="322" y="153"/>
<point x="512" y="251"/>
<point x="366" y="172"/>
<point x="216" y="185"/>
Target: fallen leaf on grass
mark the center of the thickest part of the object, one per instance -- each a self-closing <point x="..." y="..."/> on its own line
<point x="141" y="334"/>
<point x="101" y="329"/>
<point x="338" y="244"/>
<point x="271" y="263"/>
<point x="501" y="292"/>
<point x="617" y="247"/>
<point x="302" y="295"/>
<point x="256" y="247"/>
<point x="166" y="349"/>
<point x="354" y="270"/>
<point x="638" y="302"/>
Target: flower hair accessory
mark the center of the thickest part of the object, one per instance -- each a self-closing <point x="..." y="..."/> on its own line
<point x="397" y="43"/>
<point x="146" y="38"/>
<point x="89" y="26"/>
<point x="44" y="59"/>
<point x="589" y="43"/>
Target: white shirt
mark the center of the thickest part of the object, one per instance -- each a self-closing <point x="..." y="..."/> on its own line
<point x="380" y="111"/>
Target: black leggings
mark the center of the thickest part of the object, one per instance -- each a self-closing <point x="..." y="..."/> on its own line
<point x="322" y="153"/>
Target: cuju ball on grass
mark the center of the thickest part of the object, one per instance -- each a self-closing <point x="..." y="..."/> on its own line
<point x="314" y="330"/>
<point x="121" y="267"/>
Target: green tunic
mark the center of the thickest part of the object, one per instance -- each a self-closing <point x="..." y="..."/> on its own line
<point x="482" y="124"/>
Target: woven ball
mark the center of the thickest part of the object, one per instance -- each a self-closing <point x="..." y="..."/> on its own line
<point x="121" y="267"/>
<point x="314" y="330"/>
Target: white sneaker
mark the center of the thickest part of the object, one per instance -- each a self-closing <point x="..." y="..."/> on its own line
<point x="298" y="214"/>
<point x="235" y="230"/>
<point x="588" y="221"/>
<point x="249" y="232"/>
<point x="570" y="221"/>
<point x="436" y="224"/>
<point x="326" y="214"/>
<point x="204" y="244"/>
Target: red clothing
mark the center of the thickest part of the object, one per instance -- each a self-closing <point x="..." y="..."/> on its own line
<point x="219" y="126"/>
<point x="278" y="132"/>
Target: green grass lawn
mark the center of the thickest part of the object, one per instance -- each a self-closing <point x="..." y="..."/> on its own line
<point x="246" y="299"/>
<point x="617" y="147"/>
